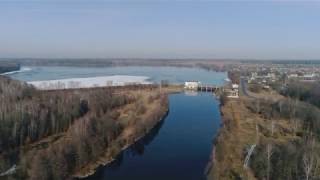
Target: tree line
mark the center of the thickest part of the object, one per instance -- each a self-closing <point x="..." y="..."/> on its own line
<point x="6" y="66"/>
<point x="58" y="133"/>
<point x="304" y="91"/>
<point x="298" y="158"/>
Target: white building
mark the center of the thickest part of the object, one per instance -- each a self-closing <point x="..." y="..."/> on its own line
<point x="235" y="86"/>
<point x="293" y="75"/>
<point x="309" y="77"/>
<point x="191" y="84"/>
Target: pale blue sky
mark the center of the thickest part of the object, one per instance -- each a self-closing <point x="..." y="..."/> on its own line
<point x="160" y="29"/>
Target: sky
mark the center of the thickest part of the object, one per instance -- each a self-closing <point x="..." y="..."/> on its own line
<point x="160" y="29"/>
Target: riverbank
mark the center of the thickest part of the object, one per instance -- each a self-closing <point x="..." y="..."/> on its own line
<point x="131" y="136"/>
<point x="91" y="126"/>
<point x="183" y="139"/>
<point x="105" y="160"/>
<point x="154" y="114"/>
<point x="262" y="138"/>
<point x="234" y="135"/>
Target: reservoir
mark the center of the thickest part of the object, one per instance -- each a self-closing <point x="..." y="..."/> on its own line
<point x="155" y="74"/>
<point x="179" y="147"/>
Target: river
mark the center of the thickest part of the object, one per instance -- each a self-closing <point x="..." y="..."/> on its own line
<point x="177" y="148"/>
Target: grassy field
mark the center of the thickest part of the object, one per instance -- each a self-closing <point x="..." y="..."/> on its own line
<point x="241" y="129"/>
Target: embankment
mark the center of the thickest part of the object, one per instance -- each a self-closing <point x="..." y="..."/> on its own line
<point x="234" y="135"/>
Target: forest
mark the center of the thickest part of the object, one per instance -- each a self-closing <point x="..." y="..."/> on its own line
<point x="304" y="91"/>
<point x="62" y="133"/>
<point x="216" y="65"/>
<point x="293" y="150"/>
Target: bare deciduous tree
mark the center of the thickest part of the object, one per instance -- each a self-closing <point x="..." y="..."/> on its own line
<point x="309" y="159"/>
<point x="269" y="152"/>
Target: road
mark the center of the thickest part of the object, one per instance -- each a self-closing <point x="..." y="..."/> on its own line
<point x="243" y="85"/>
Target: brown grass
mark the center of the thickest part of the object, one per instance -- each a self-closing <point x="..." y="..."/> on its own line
<point x="238" y="134"/>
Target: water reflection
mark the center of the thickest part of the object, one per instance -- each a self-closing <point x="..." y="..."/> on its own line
<point x="191" y="93"/>
<point x="137" y="149"/>
<point x="180" y="150"/>
<point x="7" y="161"/>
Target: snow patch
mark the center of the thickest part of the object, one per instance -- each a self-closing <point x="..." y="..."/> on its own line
<point x="101" y="81"/>
<point x="24" y="69"/>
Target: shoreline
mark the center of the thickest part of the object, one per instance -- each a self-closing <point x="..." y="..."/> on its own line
<point x="212" y="158"/>
<point x="107" y="158"/>
<point x="7" y="67"/>
<point x="104" y="161"/>
<point x="103" y="164"/>
<point x="25" y="69"/>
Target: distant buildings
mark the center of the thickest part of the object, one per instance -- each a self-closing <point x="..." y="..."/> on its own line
<point x="309" y="77"/>
<point x="262" y="79"/>
<point x="294" y="75"/>
<point x="303" y="76"/>
<point x="232" y="91"/>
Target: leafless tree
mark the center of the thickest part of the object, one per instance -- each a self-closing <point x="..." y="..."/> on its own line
<point x="258" y="106"/>
<point x="309" y="159"/>
<point x="257" y="133"/>
<point x="269" y="152"/>
<point x="272" y="127"/>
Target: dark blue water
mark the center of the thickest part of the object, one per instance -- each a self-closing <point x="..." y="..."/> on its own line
<point x="178" y="148"/>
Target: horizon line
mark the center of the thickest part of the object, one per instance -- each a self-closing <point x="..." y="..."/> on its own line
<point x="155" y="58"/>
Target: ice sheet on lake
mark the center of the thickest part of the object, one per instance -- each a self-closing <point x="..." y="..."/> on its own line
<point x="102" y="81"/>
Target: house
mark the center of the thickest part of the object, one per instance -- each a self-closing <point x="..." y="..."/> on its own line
<point x="266" y="87"/>
<point x="191" y="85"/>
<point x="293" y="76"/>
<point x="233" y="91"/>
<point x="235" y="86"/>
<point x="303" y="77"/>
<point x="309" y="77"/>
